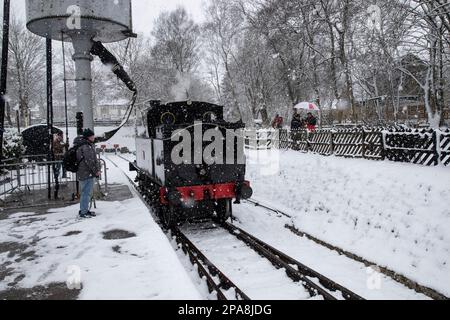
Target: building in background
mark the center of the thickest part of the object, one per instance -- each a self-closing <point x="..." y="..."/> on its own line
<point x="111" y="110"/>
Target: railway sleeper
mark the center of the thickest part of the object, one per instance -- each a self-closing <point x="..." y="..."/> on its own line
<point x="200" y="259"/>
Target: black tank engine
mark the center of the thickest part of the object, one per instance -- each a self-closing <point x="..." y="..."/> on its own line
<point x="190" y="163"/>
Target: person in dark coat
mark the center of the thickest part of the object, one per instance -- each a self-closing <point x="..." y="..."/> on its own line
<point x="297" y="122"/>
<point x="311" y="122"/>
<point x="88" y="170"/>
<point x="59" y="147"/>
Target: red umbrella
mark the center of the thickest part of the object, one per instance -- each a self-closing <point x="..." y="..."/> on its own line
<point x="307" y="106"/>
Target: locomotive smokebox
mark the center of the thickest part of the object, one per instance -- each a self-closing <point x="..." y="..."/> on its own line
<point x="81" y="22"/>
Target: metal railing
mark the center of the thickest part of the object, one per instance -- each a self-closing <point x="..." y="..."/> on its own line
<point x="30" y="184"/>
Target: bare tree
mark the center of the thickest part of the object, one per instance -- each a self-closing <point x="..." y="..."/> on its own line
<point x="177" y="41"/>
<point x="222" y="31"/>
<point x="428" y="23"/>
<point x="27" y="54"/>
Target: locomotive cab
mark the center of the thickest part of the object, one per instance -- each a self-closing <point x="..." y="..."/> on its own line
<point x="191" y="162"/>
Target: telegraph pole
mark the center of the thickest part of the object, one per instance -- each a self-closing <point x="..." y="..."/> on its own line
<point x="4" y="70"/>
<point x="49" y="111"/>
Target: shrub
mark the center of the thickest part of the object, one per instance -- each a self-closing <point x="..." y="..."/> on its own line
<point x="13" y="147"/>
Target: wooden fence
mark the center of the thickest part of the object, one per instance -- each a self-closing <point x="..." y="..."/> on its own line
<point x="424" y="147"/>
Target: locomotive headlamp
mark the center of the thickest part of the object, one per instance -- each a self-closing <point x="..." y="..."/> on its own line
<point x="174" y="197"/>
<point x="168" y="118"/>
<point x="203" y="172"/>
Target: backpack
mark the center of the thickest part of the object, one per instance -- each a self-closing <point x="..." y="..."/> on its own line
<point x="70" y="161"/>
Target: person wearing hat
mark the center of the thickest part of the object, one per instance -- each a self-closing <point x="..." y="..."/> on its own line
<point x="88" y="170"/>
<point x="297" y="121"/>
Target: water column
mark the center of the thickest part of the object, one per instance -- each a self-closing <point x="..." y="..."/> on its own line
<point x="82" y="46"/>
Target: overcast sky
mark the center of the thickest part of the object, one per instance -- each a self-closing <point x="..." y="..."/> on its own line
<point x="144" y="11"/>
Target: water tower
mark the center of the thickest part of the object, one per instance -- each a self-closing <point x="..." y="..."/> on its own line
<point x="81" y="22"/>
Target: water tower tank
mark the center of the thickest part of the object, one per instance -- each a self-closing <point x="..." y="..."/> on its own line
<point x="81" y="22"/>
<point x="108" y="20"/>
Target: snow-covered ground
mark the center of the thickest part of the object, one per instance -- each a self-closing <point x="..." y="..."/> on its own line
<point x="396" y="215"/>
<point x="141" y="267"/>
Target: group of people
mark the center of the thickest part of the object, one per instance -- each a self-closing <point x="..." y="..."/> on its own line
<point x="298" y="123"/>
<point x="309" y="123"/>
<point x="88" y="166"/>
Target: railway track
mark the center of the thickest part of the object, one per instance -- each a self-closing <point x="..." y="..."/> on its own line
<point x="297" y="271"/>
<point x="411" y="284"/>
<point x="207" y="269"/>
<point x="218" y="283"/>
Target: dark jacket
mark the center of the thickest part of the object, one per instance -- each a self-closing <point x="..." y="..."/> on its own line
<point x="87" y="157"/>
<point x="297" y="123"/>
<point x="311" y="121"/>
<point x="59" y="148"/>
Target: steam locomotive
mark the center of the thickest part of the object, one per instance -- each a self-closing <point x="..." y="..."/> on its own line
<point x="190" y="162"/>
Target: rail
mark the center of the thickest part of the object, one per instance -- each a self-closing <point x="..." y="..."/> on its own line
<point x="297" y="271"/>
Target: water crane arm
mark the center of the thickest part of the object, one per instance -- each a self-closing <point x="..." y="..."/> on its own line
<point x="107" y="58"/>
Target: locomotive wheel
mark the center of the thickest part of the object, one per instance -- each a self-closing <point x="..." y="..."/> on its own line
<point x="169" y="216"/>
<point x="223" y="210"/>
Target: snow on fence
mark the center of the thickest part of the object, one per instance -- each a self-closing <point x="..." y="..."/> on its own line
<point x="419" y="147"/>
<point x="424" y="147"/>
<point x="261" y="139"/>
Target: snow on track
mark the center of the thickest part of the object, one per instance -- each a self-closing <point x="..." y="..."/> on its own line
<point x="116" y="175"/>
<point x="256" y="276"/>
<point x="353" y="275"/>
